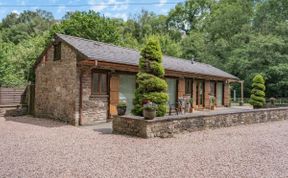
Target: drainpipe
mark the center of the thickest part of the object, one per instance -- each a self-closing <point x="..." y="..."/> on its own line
<point x="80" y="98"/>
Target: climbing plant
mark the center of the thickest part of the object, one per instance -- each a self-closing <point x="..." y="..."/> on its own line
<point x="150" y="79"/>
<point x="257" y="98"/>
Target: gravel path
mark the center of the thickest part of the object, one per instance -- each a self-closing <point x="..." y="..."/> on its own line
<point x="42" y="148"/>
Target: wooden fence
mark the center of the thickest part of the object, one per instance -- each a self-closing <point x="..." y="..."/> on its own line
<point x="11" y="96"/>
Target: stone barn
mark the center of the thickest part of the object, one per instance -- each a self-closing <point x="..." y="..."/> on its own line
<point x="81" y="81"/>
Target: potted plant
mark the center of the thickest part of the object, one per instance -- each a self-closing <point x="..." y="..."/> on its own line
<point x="149" y="110"/>
<point x="191" y="105"/>
<point x="121" y="108"/>
<point x="212" y="102"/>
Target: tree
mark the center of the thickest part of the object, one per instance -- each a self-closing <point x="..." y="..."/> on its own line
<point x="16" y="61"/>
<point x="269" y="13"/>
<point x="151" y="85"/>
<point x="256" y="54"/>
<point x="89" y="25"/>
<point x="18" y="27"/>
<point x="194" y="46"/>
<point x="4" y="63"/>
<point x="277" y="80"/>
<point x="228" y="17"/>
<point x="257" y="98"/>
<point x="187" y="15"/>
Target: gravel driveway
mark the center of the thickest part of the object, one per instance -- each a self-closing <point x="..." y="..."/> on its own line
<point x="32" y="147"/>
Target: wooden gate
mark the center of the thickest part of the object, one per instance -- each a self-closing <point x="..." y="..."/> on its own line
<point x="11" y="96"/>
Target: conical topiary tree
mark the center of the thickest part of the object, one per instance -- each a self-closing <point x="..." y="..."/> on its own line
<point x="151" y="85"/>
<point x="257" y="98"/>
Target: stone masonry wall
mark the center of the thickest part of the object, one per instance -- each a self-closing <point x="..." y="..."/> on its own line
<point x="94" y="107"/>
<point x="57" y="86"/>
<point x="167" y="126"/>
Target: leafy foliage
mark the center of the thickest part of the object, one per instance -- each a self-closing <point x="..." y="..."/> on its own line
<point x="151" y="85"/>
<point x="257" y="98"/>
<point x="16" y="28"/>
<point x="277" y="80"/>
<point x="243" y="37"/>
<point x="89" y="25"/>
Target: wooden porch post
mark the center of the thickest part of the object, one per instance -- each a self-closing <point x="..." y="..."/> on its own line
<point x="207" y="94"/>
<point x="181" y="87"/>
<point x="242" y="93"/>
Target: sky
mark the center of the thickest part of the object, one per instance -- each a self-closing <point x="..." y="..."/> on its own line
<point x="112" y="8"/>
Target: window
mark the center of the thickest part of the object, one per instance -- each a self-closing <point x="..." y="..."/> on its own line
<point x="188" y="86"/>
<point x="99" y="83"/>
<point x="172" y="83"/>
<point x="212" y="88"/>
<point x="57" y="52"/>
<point x="127" y="89"/>
<point x="220" y="93"/>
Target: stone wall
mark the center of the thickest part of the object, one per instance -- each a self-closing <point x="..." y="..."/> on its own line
<point x="57" y="86"/>
<point x="167" y="126"/>
<point x="94" y="107"/>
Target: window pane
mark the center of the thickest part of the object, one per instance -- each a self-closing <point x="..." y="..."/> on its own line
<point x="127" y="90"/>
<point x="219" y="93"/>
<point x="188" y="86"/>
<point x="95" y="81"/>
<point x="103" y="84"/>
<point x="172" y="90"/>
<point x="201" y="92"/>
<point x="212" y="88"/>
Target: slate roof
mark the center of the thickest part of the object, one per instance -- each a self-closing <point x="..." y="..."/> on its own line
<point x="110" y="53"/>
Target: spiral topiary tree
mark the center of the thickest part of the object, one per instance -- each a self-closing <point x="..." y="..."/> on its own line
<point x="257" y="98"/>
<point x="150" y="79"/>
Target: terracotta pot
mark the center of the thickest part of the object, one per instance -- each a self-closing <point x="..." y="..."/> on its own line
<point x="191" y="109"/>
<point x="212" y="107"/>
<point x="121" y="111"/>
<point x="149" y="114"/>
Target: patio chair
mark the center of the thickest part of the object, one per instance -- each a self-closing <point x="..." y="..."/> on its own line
<point x="173" y="107"/>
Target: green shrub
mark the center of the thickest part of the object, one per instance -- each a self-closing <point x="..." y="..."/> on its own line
<point x="156" y="97"/>
<point x="151" y="85"/>
<point x="161" y="110"/>
<point x="257" y="98"/>
<point x="122" y="104"/>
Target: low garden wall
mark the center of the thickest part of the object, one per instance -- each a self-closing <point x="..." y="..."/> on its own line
<point x="169" y="125"/>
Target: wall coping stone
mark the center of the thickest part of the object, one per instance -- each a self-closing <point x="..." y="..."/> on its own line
<point x="168" y="125"/>
<point x="195" y="115"/>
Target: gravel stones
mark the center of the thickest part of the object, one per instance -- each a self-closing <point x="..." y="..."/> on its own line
<point x="32" y="147"/>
